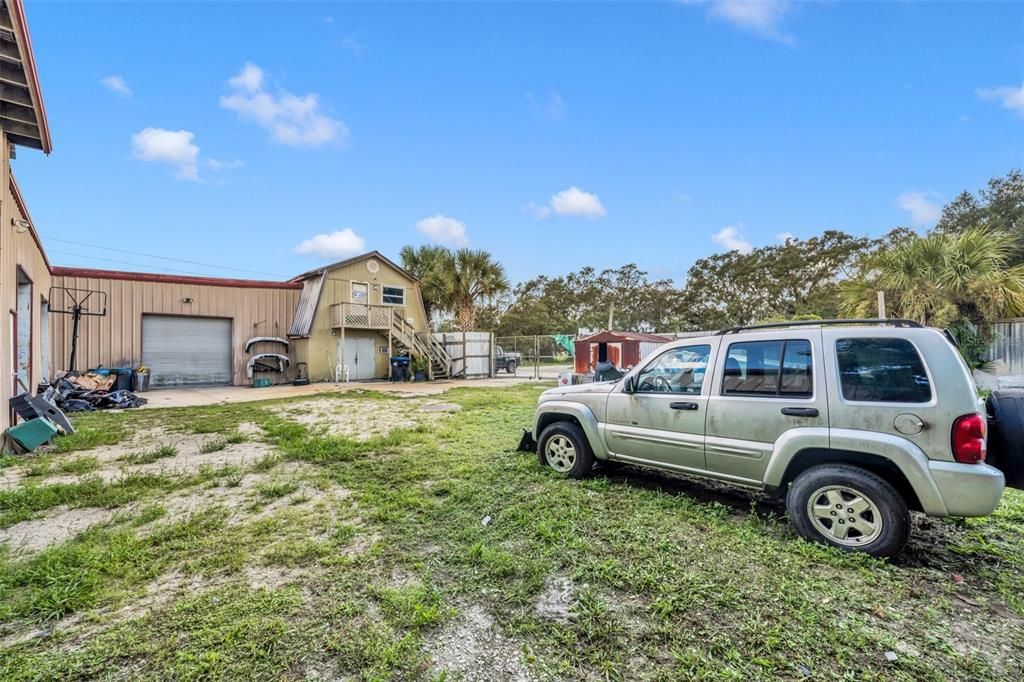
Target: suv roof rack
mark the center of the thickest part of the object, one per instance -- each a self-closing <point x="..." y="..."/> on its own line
<point x="896" y="322"/>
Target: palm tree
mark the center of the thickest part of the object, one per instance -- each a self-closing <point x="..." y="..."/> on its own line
<point x="939" y="277"/>
<point x="474" y="276"/>
<point x="429" y="264"/>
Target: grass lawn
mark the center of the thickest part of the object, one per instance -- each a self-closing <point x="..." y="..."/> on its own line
<point x="273" y="541"/>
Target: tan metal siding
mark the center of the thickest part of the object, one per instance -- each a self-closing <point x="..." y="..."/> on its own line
<point x="116" y="339"/>
<point x="18" y="248"/>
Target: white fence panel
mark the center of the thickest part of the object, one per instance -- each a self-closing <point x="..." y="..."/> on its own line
<point x="1008" y="344"/>
<point x="472" y="353"/>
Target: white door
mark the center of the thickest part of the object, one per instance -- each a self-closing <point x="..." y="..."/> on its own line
<point x="360" y="358"/>
<point x="182" y="351"/>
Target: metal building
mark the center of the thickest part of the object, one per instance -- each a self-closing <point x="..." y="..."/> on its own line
<point x="186" y="330"/>
<point x="622" y="349"/>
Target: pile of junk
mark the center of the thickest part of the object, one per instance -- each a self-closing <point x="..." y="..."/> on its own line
<point x="97" y="389"/>
<point x="43" y="416"/>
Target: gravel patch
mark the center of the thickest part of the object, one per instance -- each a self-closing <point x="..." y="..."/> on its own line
<point x="59" y="525"/>
<point x="440" y="407"/>
<point x="474" y="648"/>
<point x="359" y="419"/>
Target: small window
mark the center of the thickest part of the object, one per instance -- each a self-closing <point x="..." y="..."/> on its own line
<point x="680" y="370"/>
<point x="882" y="370"/>
<point x="769" y="368"/>
<point x="796" y="369"/>
<point x="393" y="295"/>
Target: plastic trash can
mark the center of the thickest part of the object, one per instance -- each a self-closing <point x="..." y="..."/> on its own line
<point x="400" y="368"/>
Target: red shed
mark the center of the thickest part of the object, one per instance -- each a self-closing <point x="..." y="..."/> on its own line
<point x="622" y="349"/>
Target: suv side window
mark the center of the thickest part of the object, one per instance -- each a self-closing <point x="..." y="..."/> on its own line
<point x="680" y="370"/>
<point x="753" y="368"/>
<point x="883" y="370"/>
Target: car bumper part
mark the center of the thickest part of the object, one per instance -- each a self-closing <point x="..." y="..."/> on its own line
<point x="968" y="489"/>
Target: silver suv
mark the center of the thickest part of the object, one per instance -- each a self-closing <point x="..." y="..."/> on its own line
<point x="855" y="422"/>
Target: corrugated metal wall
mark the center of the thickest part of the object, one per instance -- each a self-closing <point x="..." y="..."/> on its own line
<point x="18" y="249"/>
<point x="116" y="339"/>
<point x="1008" y="344"/>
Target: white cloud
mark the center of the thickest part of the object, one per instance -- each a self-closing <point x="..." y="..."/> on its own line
<point x="173" y="147"/>
<point x="443" y="230"/>
<point x="337" y="244"/>
<point x="784" y="237"/>
<point x="291" y="119"/>
<point x="218" y="165"/>
<point x="553" y="106"/>
<point x="762" y="17"/>
<point x="116" y="84"/>
<point x="924" y="208"/>
<point x="537" y="211"/>
<point x="731" y="238"/>
<point x="1009" y="97"/>
<point x="574" y="201"/>
<point x="250" y="78"/>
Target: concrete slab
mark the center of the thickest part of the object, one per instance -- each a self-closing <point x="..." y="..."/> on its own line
<point x="220" y="395"/>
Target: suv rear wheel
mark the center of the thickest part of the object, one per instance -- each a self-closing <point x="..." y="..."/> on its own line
<point x="850" y="508"/>
<point x="563" y="447"/>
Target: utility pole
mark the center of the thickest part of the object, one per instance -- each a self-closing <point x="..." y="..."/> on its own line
<point x="881" y="305"/>
<point x="611" y="316"/>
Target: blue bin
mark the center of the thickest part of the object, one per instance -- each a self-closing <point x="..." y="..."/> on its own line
<point x="400" y="368"/>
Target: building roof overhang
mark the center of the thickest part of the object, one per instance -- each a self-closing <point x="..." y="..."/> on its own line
<point x="22" y="113"/>
<point x="349" y="261"/>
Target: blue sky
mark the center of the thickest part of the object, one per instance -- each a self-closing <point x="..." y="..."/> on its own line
<point x="554" y="135"/>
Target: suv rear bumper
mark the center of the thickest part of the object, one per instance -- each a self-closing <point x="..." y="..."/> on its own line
<point x="967" y="489"/>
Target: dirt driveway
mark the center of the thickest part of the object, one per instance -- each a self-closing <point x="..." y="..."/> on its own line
<point x="220" y="395"/>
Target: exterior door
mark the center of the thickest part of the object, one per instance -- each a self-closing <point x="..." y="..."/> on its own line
<point x="662" y="420"/>
<point x="764" y="386"/>
<point x="360" y="358"/>
<point x="183" y="351"/>
<point x="360" y="309"/>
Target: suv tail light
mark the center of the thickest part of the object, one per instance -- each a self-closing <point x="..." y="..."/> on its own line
<point x="969" y="439"/>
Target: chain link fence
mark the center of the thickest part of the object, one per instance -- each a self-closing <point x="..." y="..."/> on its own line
<point x="544" y="356"/>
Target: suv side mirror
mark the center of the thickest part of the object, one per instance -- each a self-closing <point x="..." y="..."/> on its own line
<point x="627" y="384"/>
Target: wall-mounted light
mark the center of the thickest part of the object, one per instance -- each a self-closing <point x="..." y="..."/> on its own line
<point x="20" y="225"/>
<point x="186" y="300"/>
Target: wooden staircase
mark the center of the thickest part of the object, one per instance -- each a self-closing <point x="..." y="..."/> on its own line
<point x="425" y="345"/>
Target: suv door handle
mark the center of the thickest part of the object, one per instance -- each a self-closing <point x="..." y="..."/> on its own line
<point x="800" y="411"/>
<point x="683" y="406"/>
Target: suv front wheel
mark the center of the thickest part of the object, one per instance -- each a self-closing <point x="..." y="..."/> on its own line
<point x="850" y="508"/>
<point x="563" y="447"/>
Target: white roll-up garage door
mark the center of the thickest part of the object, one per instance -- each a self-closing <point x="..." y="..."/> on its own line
<point x="183" y="351"/>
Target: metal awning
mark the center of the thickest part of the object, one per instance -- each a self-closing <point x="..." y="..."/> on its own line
<point x="305" y="311"/>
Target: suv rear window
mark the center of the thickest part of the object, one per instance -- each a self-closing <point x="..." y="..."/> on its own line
<point x="882" y="370"/>
<point x="752" y="368"/>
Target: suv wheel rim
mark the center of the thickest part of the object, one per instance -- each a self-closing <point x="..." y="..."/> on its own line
<point x="844" y="515"/>
<point x="560" y="453"/>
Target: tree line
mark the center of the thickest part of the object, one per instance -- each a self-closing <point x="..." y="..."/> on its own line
<point x="968" y="270"/>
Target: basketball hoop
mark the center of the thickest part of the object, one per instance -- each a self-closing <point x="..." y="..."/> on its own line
<point x="78" y="303"/>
